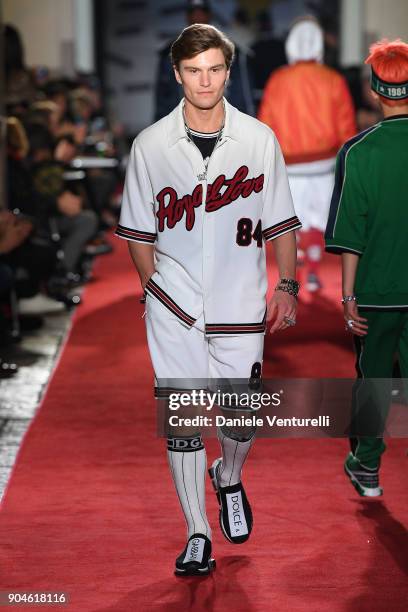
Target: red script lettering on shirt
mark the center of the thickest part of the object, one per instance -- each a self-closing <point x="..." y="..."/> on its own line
<point x="172" y="208"/>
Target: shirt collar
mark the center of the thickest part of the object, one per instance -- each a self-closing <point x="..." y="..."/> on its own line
<point x="402" y="116"/>
<point x="176" y="129"/>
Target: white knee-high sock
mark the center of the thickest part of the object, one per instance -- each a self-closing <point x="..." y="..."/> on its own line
<point x="234" y="454"/>
<point x="189" y="469"/>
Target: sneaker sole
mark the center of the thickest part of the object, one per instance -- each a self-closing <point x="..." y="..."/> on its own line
<point x="212" y="475"/>
<point x="363" y="491"/>
<point x="202" y="571"/>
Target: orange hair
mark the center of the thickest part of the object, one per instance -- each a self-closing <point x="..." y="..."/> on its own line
<point x="389" y="60"/>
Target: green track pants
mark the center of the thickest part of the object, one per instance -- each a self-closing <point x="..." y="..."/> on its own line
<point x="387" y="335"/>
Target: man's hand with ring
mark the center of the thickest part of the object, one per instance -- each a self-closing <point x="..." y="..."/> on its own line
<point x="282" y="308"/>
<point x="354" y="323"/>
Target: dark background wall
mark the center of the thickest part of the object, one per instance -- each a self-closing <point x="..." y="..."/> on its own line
<point x="130" y="34"/>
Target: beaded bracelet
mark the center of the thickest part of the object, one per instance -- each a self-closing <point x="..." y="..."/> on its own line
<point x="289" y="285"/>
<point x="348" y="298"/>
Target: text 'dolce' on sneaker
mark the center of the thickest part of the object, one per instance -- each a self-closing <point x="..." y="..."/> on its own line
<point x="235" y="512"/>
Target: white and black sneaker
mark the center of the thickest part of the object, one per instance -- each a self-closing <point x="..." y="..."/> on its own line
<point x="195" y="560"/>
<point x="235" y="512"/>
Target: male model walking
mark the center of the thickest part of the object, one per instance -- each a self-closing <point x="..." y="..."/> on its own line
<point x="206" y="188"/>
<point x="368" y="225"/>
<point x="309" y="107"/>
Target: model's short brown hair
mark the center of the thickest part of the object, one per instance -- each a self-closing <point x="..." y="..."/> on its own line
<point x="198" y="38"/>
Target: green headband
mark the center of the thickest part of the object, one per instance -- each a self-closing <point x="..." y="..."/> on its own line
<point x="392" y="91"/>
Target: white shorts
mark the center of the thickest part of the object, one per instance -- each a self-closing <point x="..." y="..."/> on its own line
<point x="311" y="186"/>
<point x="182" y="353"/>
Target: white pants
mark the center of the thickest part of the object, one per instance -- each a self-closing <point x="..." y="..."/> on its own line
<point x="178" y="352"/>
<point x="311" y="186"/>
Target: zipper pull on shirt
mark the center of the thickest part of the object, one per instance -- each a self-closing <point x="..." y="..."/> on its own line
<point x="203" y="175"/>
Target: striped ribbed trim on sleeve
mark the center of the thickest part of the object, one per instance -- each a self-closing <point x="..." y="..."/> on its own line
<point x="136" y="235"/>
<point x="281" y="228"/>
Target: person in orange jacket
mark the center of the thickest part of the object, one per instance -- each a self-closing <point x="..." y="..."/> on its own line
<point x="309" y="107"/>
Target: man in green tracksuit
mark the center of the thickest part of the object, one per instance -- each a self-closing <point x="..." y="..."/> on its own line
<point x="368" y="226"/>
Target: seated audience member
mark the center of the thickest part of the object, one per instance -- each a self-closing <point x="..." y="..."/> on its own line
<point x="60" y="93"/>
<point x="32" y="260"/>
<point x="60" y="209"/>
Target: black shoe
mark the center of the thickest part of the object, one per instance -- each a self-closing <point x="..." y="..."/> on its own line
<point x="30" y="322"/>
<point x="7" y="370"/>
<point x="65" y="282"/>
<point x="18" y="356"/>
<point x="195" y="560"/>
<point x="235" y="512"/>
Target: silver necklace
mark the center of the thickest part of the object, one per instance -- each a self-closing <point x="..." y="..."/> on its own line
<point x="203" y="176"/>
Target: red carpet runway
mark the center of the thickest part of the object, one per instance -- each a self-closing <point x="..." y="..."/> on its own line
<point x="90" y="509"/>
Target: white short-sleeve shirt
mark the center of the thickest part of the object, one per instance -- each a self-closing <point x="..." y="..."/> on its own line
<point x="209" y="232"/>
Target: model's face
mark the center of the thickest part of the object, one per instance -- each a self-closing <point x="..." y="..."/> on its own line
<point x="203" y="78"/>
